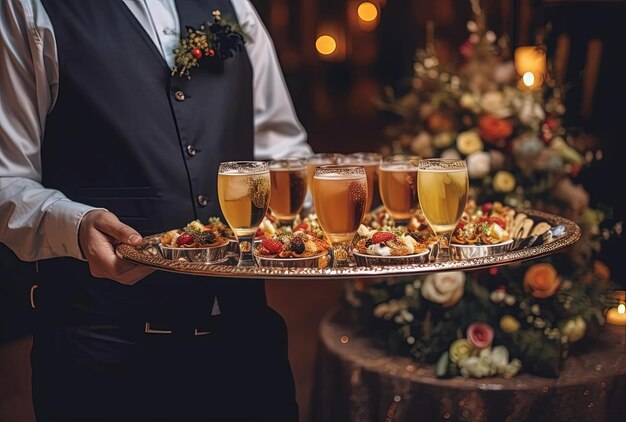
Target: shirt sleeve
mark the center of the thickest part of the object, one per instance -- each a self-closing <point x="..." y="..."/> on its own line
<point x="278" y="132"/>
<point x="35" y="222"/>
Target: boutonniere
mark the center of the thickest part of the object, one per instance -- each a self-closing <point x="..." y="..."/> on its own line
<point x="219" y="39"/>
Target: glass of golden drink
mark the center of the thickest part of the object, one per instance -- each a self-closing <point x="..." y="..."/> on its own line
<point x="398" y="186"/>
<point x="288" y="186"/>
<point x="243" y="190"/>
<point x="340" y="198"/>
<point x="370" y="162"/>
<point x="320" y="159"/>
<point x="442" y="186"/>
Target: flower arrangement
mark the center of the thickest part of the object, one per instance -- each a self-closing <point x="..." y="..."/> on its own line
<point x="485" y="323"/>
<point x="527" y="316"/>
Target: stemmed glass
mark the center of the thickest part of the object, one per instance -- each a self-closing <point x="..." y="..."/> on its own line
<point x="340" y="197"/>
<point x="289" y="185"/>
<point x="243" y="189"/>
<point x="442" y="186"/>
<point x="398" y="186"/>
<point x="370" y="162"/>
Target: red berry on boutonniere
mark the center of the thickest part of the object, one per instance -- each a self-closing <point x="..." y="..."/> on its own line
<point x="211" y="52"/>
<point x="196" y="53"/>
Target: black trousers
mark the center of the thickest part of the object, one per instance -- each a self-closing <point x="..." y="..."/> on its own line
<point x="112" y="373"/>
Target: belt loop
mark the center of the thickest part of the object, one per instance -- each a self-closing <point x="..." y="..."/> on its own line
<point x="149" y="330"/>
<point x="32" y="295"/>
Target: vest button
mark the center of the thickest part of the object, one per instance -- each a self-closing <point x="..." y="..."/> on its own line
<point x="202" y="200"/>
<point x="179" y="95"/>
<point x="191" y="150"/>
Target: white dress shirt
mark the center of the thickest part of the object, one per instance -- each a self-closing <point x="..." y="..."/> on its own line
<point x="39" y="223"/>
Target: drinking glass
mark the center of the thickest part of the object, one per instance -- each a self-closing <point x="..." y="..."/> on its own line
<point x="340" y="197"/>
<point x="243" y="189"/>
<point x="442" y="186"/>
<point x="398" y="186"/>
<point x="288" y="187"/>
<point x="320" y="159"/>
<point x="370" y="162"/>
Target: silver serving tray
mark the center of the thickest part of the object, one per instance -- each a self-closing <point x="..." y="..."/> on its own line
<point x="148" y="254"/>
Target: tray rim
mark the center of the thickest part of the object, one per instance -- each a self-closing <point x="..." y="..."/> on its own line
<point x="571" y="236"/>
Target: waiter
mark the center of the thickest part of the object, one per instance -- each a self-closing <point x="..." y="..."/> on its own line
<point x="100" y="144"/>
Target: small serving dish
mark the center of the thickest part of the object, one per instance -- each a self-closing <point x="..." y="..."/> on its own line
<point x="364" y="260"/>
<point x="208" y="254"/>
<point x="459" y="252"/>
<point x="313" y="261"/>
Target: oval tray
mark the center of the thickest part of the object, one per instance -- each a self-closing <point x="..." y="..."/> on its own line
<point x="147" y="254"/>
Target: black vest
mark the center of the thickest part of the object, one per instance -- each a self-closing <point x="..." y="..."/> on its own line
<point x="127" y="136"/>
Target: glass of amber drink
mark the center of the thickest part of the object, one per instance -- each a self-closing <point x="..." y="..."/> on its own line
<point x="320" y="159"/>
<point x="243" y="190"/>
<point x="288" y="187"/>
<point x="340" y="198"/>
<point x="370" y="162"/>
<point x="442" y="186"/>
<point x="398" y="186"/>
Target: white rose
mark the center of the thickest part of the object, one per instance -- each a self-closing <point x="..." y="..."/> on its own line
<point x="468" y="102"/>
<point x="474" y="367"/>
<point x="500" y="358"/>
<point x="504" y="73"/>
<point x="444" y="288"/>
<point x="530" y="112"/>
<point x="421" y="145"/>
<point x="468" y="142"/>
<point x="451" y="153"/>
<point x="443" y="139"/>
<point x="495" y="103"/>
<point x="574" y="329"/>
<point x="478" y="164"/>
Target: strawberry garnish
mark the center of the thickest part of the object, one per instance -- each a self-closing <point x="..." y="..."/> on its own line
<point x="184" y="239"/>
<point x="491" y="220"/>
<point x="460" y="226"/>
<point x="274" y="246"/>
<point x="500" y="222"/>
<point x="380" y="237"/>
<point x="301" y="227"/>
<point x="487" y="207"/>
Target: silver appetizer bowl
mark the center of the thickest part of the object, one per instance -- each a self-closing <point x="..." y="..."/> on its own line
<point x="363" y="260"/>
<point x="458" y="252"/>
<point x="315" y="261"/>
<point x="209" y="255"/>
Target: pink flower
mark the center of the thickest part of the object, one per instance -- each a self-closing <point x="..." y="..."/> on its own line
<point x="480" y="335"/>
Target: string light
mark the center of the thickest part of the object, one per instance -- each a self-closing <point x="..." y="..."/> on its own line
<point x="325" y="44"/>
<point x="367" y="11"/>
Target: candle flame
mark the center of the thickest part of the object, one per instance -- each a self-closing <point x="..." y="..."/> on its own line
<point x="528" y="78"/>
<point x="621" y="309"/>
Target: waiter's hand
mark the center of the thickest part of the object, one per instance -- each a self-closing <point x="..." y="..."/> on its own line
<point x="99" y="232"/>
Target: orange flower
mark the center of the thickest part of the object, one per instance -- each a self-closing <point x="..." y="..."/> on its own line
<point x="493" y="129"/>
<point x="541" y="281"/>
<point x="601" y="270"/>
<point x="439" y="122"/>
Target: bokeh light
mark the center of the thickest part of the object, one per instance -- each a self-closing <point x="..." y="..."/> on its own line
<point x="367" y="11"/>
<point x="325" y="44"/>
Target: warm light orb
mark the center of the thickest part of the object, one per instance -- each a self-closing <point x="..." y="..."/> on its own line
<point x="528" y="78"/>
<point x="621" y="309"/>
<point x="367" y="11"/>
<point x="325" y="44"/>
